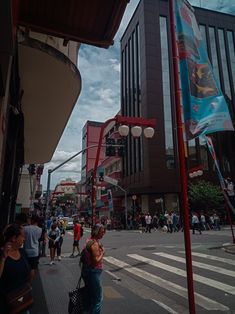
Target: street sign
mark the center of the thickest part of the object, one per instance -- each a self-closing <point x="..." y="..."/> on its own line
<point x="110" y="180"/>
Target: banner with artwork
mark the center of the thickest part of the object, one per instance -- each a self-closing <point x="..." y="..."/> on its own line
<point x="205" y="108"/>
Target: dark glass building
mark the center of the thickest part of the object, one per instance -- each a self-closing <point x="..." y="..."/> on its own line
<point x="150" y="167"/>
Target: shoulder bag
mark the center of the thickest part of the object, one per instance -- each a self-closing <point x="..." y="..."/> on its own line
<point x="20" y="299"/>
<point x="77" y="299"/>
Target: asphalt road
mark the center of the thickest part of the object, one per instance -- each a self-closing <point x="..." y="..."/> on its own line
<point x="146" y="273"/>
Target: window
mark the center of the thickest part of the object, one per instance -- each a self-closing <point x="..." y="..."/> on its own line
<point x="224" y="63"/>
<point x="214" y="55"/>
<point x="192" y="153"/>
<point x="231" y="54"/>
<point x="169" y="141"/>
<point x="203" y="153"/>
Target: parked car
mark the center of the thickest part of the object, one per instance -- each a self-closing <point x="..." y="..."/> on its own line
<point x="68" y="223"/>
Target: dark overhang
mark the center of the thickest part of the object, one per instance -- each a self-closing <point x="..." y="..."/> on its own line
<point x="93" y="22"/>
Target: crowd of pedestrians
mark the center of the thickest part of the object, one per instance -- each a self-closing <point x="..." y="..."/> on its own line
<point x="171" y="222"/>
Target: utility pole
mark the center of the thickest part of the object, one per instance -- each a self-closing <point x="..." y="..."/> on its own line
<point x="50" y="171"/>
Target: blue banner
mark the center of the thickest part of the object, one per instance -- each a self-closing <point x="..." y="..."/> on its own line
<point x="205" y="108"/>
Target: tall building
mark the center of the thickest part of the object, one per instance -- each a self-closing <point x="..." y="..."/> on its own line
<point x="150" y="167"/>
<point x="90" y="137"/>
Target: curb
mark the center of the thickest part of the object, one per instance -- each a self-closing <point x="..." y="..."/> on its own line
<point x="229" y="248"/>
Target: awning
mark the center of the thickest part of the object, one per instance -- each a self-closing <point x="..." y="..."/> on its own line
<point x="51" y="85"/>
<point x="93" y="22"/>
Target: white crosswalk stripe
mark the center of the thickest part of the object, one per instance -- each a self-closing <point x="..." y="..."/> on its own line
<point x="205" y="280"/>
<point x="198" y="264"/>
<point x="201" y="300"/>
<point x="164" y="306"/>
<point x="213" y="258"/>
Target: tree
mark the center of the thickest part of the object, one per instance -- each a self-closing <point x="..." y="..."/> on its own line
<point x="204" y="195"/>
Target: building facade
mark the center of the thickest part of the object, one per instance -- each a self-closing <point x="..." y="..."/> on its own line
<point x="90" y="137"/>
<point x="150" y="167"/>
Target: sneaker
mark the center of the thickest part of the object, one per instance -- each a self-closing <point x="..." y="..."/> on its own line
<point x="59" y="258"/>
<point x="51" y="263"/>
<point x="72" y="255"/>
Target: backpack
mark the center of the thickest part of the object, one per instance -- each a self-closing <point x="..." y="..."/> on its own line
<point x="85" y="254"/>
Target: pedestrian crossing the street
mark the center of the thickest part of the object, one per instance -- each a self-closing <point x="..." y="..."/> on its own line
<point x="215" y="273"/>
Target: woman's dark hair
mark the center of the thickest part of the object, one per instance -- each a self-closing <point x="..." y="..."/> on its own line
<point x="13" y="230"/>
<point x="53" y="226"/>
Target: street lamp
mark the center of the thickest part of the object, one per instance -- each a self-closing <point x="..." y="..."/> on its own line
<point x="195" y="172"/>
<point x="124" y="123"/>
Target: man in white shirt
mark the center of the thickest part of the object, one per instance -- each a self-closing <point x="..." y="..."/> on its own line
<point x="195" y="224"/>
<point x="148" y="220"/>
<point x="230" y="190"/>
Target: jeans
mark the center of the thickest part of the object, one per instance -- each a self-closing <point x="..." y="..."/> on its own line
<point x="91" y="277"/>
<point x="59" y="245"/>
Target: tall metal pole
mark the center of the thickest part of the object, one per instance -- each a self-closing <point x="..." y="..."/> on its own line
<point x="125" y="192"/>
<point x="48" y="191"/>
<point x="57" y="167"/>
<point x="182" y="166"/>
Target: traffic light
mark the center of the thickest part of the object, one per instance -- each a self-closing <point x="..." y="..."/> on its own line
<point x="101" y="176"/>
<point x="32" y="169"/>
<point x="110" y="150"/>
<point x="122" y="148"/>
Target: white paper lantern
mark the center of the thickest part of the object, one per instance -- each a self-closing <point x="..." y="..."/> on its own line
<point x="123" y="130"/>
<point x="136" y="131"/>
<point x="148" y="132"/>
<point x="199" y="172"/>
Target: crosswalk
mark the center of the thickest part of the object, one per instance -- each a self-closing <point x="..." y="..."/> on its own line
<point x="213" y="277"/>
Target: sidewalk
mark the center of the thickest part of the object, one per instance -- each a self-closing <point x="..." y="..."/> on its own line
<point x="53" y="283"/>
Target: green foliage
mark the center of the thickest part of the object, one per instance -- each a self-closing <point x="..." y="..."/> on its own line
<point x="66" y="198"/>
<point x="204" y="195"/>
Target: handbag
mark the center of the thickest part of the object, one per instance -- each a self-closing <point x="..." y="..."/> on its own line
<point x="77" y="299"/>
<point x="20" y="299"/>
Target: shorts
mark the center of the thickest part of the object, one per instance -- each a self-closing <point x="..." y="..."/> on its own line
<point x="33" y="262"/>
<point x="51" y="245"/>
<point x="76" y="243"/>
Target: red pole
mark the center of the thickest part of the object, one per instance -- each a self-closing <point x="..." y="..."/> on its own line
<point x="93" y="191"/>
<point x="118" y="119"/>
<point x="182" y="166"/>
<point x="230" y="220"/>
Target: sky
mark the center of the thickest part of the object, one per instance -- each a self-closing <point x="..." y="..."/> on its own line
<point x="99" y="99"/>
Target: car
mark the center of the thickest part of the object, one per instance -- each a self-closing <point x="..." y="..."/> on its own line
<point x="69" y="224"/>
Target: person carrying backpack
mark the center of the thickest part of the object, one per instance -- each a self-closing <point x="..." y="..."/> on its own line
<point x="77" y="234"/>
<point x="92" y="264"/>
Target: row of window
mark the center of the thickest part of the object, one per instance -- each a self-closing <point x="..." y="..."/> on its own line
<point x="131" y="100"/>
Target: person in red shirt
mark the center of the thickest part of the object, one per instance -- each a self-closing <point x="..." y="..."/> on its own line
<point x="76" y="237"/>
